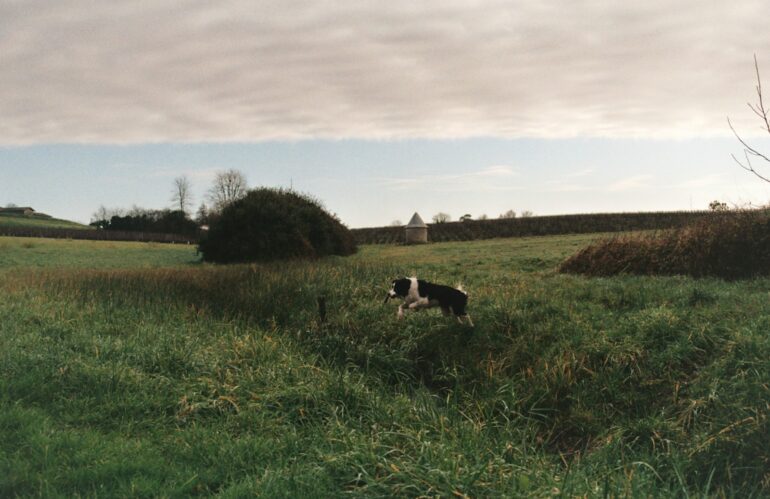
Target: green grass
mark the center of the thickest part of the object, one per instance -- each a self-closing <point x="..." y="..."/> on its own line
<point x="28" y="252"/>
<point x="16" y="220"/>
<point x="194" y="379"/>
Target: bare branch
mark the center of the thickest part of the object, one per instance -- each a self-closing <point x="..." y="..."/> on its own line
<point x="748" y="167"/>
<point x="761" y="112"/>
<point x="746" y="147"/>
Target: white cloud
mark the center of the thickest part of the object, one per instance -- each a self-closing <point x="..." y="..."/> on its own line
<point x="569" y="182"/>
<point x="565" y="187"/>
<point x="494" y="171"/>
<point x="635" y="182"/>
<point x="493" y="178"/>
<point x="162" y="70"/>
<point x="705" y="181"/>
<point x="586" y="172"/>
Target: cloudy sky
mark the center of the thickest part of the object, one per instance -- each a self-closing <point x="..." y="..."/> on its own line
<point x="380" y="109"/>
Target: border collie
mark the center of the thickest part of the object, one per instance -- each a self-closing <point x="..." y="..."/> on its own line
<point x="418" y="294"/>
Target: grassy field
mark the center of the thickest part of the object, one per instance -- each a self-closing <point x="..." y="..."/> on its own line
<point x="117" y="379"/>
<point x="13" y="220"/>
<point x="28" y="252"/>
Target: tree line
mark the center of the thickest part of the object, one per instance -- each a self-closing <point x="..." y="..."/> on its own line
<point x="441" y="217"/>
<point x="228" y="186"/>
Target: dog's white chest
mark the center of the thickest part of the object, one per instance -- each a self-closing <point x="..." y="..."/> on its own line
<point x="413" y="295"/>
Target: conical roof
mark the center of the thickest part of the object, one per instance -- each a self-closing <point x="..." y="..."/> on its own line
<point x="415" y="222"/>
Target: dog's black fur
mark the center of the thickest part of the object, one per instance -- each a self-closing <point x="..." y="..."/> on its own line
<point x="429" y="295"/>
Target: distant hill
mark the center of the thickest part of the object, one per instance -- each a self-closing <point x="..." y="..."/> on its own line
<point x="37" y="220"/>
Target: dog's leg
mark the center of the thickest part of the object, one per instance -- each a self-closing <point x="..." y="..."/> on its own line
<point x="462" y="318"/>
<point x="400" y="314"/>
<point x="421" y="304"/>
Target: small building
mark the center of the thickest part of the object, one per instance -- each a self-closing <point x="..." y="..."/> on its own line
<point x="18" y="210"/>
<point x="416" y="230"/>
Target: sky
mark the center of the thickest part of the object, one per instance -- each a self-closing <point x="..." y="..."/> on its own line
<point x="382" y="109"/>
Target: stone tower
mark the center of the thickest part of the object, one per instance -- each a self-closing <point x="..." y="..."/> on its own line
<point x="416" y="230"/>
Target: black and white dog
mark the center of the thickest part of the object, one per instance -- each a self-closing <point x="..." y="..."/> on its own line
<point x="418" y="294"/>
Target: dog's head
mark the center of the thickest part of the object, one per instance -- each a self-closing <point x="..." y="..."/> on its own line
<point x="399" y="288"/>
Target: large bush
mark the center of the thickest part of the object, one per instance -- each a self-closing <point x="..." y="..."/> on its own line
<point x="731" y="246"/>
<point x="271" y="224"/>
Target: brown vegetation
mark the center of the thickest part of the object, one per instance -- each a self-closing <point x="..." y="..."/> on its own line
<point x="728" y="245"/>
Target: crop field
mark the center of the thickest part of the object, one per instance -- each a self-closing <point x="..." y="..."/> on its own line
<point x="131" y="369"/>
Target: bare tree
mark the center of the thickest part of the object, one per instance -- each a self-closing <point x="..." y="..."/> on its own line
<point x="228" y="186"/>
<point x="396" y="223"/>
<point x="136" y="211"/>
<point x="180" y="195"/>
<point x="508" y="214"/>
<point x="526" y="214"/>
<point x="102" y="214"/>
<point x="750" y="152"/>
<point x="202" y="216"/>
<point x="441" y="217"/>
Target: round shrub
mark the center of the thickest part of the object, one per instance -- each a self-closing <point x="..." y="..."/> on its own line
<point x="274" y="224"/>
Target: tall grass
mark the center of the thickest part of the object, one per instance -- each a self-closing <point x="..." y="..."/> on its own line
<point x="203" y="380"/>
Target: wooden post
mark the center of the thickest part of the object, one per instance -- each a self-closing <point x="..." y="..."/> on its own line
<point x="322" y="309"/>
